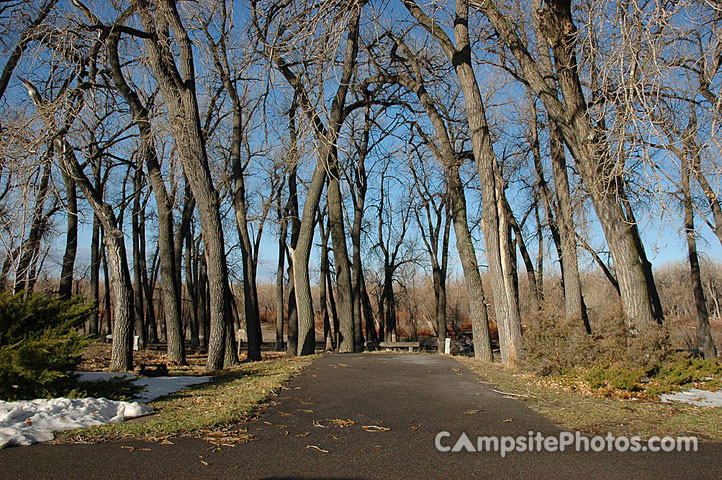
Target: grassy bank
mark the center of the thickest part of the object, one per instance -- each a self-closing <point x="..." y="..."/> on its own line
<point x="212" y="411"/>
<point x="572" y="407"/>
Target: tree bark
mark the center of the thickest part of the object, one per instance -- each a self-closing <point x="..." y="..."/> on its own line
<point x="71" y="240"/>
<point x="138" y="294"/>
<point x="494" y="221"/>
<point x="344" y="300"/>
<point x="178" y="89"/>
<point x="705" y="343"/>
<point x="328" y="338"/>
<point x="282" y="230"/>
<point x="169" y="266"/>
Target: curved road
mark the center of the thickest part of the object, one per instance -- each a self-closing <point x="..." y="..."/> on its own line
<point x="364" y="416"/>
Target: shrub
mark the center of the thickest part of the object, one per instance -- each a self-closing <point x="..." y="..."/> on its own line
<point x="615" y="377"/>
<point x="40" y="344"/>
<point x="555" y="346"/>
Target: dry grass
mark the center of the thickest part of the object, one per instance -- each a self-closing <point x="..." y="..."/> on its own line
<point x="213" y="411"/>
<point x="575" y="408"/>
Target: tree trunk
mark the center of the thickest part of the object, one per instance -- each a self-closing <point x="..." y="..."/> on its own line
<point x="169" y="265"/>
<point x="472" y="278"/>
<point x="705" y="343"/>
<point x="535" y="296"/>
<point x="177" y="87"/>
<point x="337" y="228"/>
<point x="38" y="227"/>
<point x="95" y="274"/>
<point x="327" y="334"/>
<point x="282" y="227"/>
<point x="107" y="328"/>
<point x="371" y="334"/>
<point x="292" y="212"/>
<point x="71" y="240"/>
<point x="138" y="313"/>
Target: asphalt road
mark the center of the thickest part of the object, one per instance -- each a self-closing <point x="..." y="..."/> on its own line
<point x="359" y="416"/>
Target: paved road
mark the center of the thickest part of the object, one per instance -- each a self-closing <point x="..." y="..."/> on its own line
<point x="413" y="396"/>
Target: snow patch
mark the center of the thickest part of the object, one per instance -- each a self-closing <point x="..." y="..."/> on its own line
<point x="155" y="386"/>
<point x="31" y="421"/>
<point x="161" y="386"/>
<point x="695" y="396"/>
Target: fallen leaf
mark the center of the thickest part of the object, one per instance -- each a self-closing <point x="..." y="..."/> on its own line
<point x="305" y="434"/>
<point x="133" y="449"/>
<point x="315" y="447"/>
<point x="471" y="412"/>
<point x="375" y="428"/>
<point x="341" y="422"/>
<point x="304" y="410"/>
<point x="508" y="420"/>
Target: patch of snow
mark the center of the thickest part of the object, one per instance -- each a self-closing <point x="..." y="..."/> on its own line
<point x="695" y="396"/>
<point x="155" y="386"/>
<point x="31" y="421"/>
<point x="161" y="386"/>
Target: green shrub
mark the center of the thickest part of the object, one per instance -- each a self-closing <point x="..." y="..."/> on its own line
<point x="615" y="377"/>
<point x="685" y="371"/>
<point x="40" y="343"/>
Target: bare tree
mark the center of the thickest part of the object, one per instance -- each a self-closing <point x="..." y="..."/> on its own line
<point x="122" y="354"/>
<point x="178" y="87"/>
<point x="495" y="222"/>
<point x="326" y="136"/>
<point x="588" y="144"/>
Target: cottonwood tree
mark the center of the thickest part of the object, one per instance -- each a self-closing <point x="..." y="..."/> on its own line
<point x="171" y="58"/>
<point x="120" y="282"/>
<point x="588" y="143"/>
<point x="495" y="222"/>
<point x="230" y="71"/>
<point x="275" y="45"/>
<point x="433" y="218"/>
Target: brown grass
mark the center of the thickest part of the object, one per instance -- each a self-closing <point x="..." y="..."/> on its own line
<point x="575" y="408"/>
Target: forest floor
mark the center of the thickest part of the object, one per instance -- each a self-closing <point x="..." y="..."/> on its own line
<point x="362" y="416"/>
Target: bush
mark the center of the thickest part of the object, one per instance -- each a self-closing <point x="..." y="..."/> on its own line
<point x="40" y="344"/>
<point x="607" y="376"/>
<point x="555" y="346"/>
